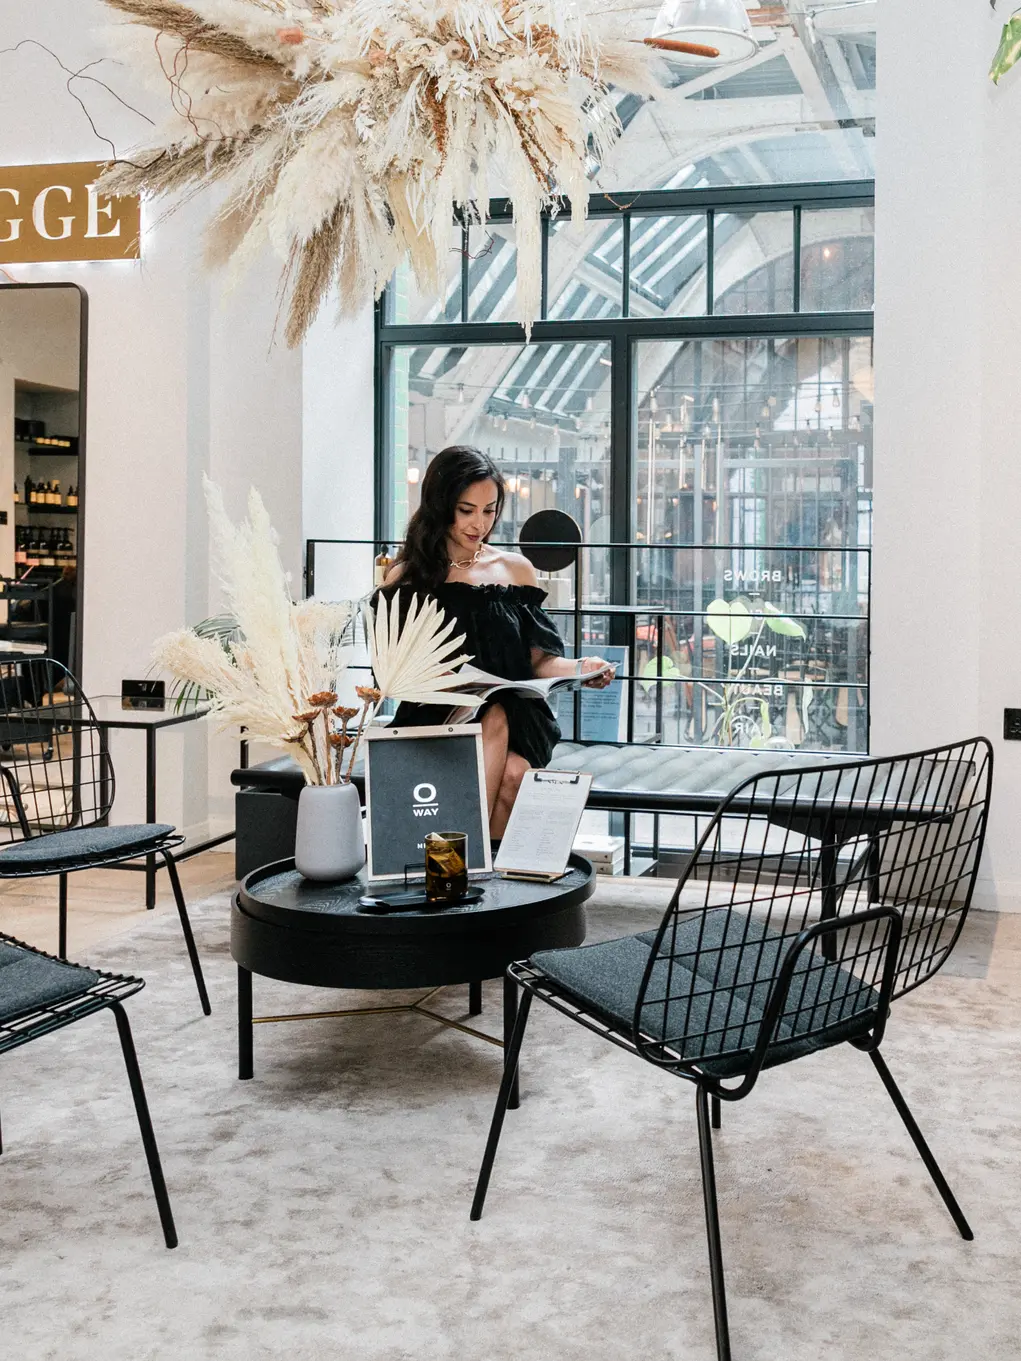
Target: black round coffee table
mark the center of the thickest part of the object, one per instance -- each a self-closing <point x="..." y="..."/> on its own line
<point x="286" y="927"/>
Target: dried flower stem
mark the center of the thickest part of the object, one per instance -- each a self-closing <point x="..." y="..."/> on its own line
<point x="367" y="708"/>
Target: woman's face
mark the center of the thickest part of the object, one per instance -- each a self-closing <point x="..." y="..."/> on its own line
<point x="474" y="516"/>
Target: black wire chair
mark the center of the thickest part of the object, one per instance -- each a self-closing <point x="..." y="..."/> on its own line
<point x="814" y="899"/>
<point x="40" y="994"/>
<point x="56" y="790"/>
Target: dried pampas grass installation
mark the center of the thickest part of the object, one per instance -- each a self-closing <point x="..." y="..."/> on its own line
<point x="348" y="132"/>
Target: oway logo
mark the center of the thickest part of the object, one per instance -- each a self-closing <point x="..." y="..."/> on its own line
<point x="424" y="800"/>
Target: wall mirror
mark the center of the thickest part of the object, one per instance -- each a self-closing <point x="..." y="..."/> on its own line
<point x="42" y="469"/>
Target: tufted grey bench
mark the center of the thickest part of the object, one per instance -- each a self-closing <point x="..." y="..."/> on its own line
<point x="628" y="778"/>
<point x="653" y="779"/>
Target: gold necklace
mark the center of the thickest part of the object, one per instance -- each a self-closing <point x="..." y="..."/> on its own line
<point x="468" y="562"/>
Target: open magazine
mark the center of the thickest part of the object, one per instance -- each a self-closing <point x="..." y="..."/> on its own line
<point x="472" y="681"/>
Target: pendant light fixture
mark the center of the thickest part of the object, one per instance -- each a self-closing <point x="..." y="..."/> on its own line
<point x="846" y="18"/>
<point x="704" y="32"/>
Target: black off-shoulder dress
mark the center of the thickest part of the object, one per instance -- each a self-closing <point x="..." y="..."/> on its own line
<point x="501" y="626"/>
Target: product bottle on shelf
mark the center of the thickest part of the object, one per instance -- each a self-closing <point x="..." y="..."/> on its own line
<point x="58" y="500"/>
<point x="72" y="496"/>
<point x="17" y="495"/>
<point x="381" y="565"/>
<point x="28" y="491"/>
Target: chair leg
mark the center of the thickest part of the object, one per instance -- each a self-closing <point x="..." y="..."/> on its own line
<point x="712" y="1225"/>
<point x="62" y="919"/>
<point x="189" y="939"/>
<point x="510" y="1016"/>
<point x="963" y="1227"/>
<point x="475" y="997"/>
<point x="510" y="1071"/>
<point x="152" y="1155"/>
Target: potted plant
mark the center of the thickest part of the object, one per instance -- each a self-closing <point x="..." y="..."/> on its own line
<point x="281" y="673"/>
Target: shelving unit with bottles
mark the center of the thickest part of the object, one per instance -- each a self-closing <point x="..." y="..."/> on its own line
<point x="46" y="482"/>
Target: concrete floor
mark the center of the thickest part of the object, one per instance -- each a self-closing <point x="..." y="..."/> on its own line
<point x="323" y="1207"/>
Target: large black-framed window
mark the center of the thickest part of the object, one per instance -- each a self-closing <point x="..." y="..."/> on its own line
<point x="698" y="388"/>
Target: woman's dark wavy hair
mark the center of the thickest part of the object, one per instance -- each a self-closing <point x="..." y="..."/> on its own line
<point x="423" y="554"/>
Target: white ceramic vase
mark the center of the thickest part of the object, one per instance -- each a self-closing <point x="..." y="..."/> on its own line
<point x="330" y="843"/>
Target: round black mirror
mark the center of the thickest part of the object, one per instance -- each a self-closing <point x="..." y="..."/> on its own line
<point x="546" y="540"/>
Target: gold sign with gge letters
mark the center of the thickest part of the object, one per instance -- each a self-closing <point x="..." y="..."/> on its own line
<point x="52" y="212"/>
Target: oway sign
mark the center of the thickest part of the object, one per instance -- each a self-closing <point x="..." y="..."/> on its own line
<point x="52" y="212"/>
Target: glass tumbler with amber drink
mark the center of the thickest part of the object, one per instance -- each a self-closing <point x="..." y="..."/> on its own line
<point x="446" y="866"/>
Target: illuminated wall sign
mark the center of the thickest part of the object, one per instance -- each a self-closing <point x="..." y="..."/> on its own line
<point x="52" y="212"/>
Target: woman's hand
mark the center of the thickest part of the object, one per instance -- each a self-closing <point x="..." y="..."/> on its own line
<point x="545" y="665"/>
<point x="596" y="664"/>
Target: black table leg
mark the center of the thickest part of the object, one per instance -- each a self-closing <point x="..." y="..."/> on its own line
<point x="875" y="867"/>
<point x="62" y="918"/>
<point x="475" y="997"/>
<point x="105" y="766"/>
<point x="150" y="813"/>
<point x="828" y="873"/>
<point x="245" y="1026"/>
<point x="510" y="1015"/>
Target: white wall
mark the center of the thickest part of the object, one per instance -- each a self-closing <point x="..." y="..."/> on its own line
<point x="947" y="593"/>
<point x="181" y="379"/>
<point x="337" y="438"/>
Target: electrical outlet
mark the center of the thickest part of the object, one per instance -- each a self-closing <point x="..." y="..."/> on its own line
<point x="1012" y="725"/>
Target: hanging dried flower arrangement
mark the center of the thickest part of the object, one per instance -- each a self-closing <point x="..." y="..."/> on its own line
<point x="347" y="132"/>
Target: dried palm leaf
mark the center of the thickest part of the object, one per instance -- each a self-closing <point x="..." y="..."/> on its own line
<point x="413" y="659"/>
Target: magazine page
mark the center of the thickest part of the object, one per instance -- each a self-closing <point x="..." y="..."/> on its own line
<point x="486" y="687"/>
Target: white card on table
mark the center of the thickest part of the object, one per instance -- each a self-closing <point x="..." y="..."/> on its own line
<point x="543" y="823"/>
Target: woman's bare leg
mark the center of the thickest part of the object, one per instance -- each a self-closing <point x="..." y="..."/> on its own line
<point x="513" y="773"/>
<point x="494" y="752"/>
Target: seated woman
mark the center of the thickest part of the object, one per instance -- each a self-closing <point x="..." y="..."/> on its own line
<point x="497" y="603"/>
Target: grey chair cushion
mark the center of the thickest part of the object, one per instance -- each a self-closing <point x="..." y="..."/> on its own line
<point x="29" y="981"/>
<point x="60" y="850"/>
<point x="709" y="990"/>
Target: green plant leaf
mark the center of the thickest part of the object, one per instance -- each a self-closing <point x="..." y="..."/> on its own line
<point x="779" y="623"/>
<point x="1009" y="50"/>
<point x="650" y="673"/>
<point x="729" y="620"/>
<point x="222" y="627"/>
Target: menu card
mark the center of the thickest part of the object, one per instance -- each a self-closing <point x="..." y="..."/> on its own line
<point x="543" y="824"/>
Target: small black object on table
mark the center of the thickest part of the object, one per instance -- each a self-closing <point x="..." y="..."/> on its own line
<point x="286" y="927"/>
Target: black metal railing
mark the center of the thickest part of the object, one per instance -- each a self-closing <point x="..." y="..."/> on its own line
<point x="718" y="645"/>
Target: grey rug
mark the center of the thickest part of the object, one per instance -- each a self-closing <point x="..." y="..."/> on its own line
<point x="323" y="1207"/>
